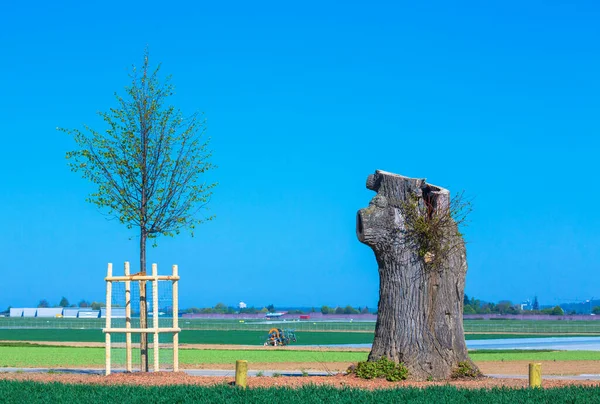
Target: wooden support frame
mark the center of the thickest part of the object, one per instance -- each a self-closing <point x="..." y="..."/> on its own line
<point x="128" y="365"/>
<point x="108" y="318"/>
<point x="156" y="342"/>
<point x="175" y="324"/>
<point x="155" y="329"/>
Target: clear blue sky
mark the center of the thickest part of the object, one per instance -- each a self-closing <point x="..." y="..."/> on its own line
<point x="303" y="101"/>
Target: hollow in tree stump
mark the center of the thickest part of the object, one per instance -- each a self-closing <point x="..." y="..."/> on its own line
<point x="420" y="320"/>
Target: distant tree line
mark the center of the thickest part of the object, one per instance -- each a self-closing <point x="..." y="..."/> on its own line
<point x="64" y="302"/>
<point x="344" y="310"/>
<point x="476" y="306"/>
<point x="471" y="306"/>
<point x="221" y="308"/>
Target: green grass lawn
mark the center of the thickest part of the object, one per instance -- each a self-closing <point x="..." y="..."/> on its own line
<point x="24" y="355"/>
<point x="193" y="356"/>
<point x="191" y="336"/>
<point x="472" y="336"/>
<point x="515" y="355"/>
<point x="510" y="326"/>
<point x="30" y="392"/>
<point x="50" y="356"/>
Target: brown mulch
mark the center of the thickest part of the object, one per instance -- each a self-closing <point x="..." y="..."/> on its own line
<point x="339" y="381"/>
<point x="504" y="368"/>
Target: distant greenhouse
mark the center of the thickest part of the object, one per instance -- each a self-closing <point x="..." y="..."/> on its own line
<point x="49" y="312"/>
<point x="70" y="312"/>
<point x="16" y="312"/>
<point x="116" y="312"/>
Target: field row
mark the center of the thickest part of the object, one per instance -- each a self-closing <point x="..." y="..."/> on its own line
<point x="20" y="355"/>
<point x="470" y="326"/>
<point x="215" y="336"/>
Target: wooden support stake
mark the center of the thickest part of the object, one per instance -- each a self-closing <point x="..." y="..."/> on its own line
<point x="241" y="373"/>
<point x="139" y="278"/>
<point x="108" y="315"/>
<point x="128" y="366"/>
<point x="535" y="375"/>
<point x="175" y="319"/>
<point x="140" y="330"/>
<point x="155" y="315"/>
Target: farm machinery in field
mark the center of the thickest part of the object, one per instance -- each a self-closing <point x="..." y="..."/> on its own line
<point x="279" y="337"/>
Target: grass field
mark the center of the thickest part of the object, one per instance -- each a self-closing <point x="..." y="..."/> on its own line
<point x="25" y="355"/>
<point x="254" y="332"/>
<point x="190" y="336"/>
<point x="48" y="356"/>
<point x="31" y="392"/>
<point x="223" y="337"/>
<point x="532" y="326"/>
<point x="532" y="355"/>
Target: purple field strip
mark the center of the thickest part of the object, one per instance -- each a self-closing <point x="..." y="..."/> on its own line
<point x="532" y="317"/>
<point x="261" y="316"/>
<point x="373" y="317"/>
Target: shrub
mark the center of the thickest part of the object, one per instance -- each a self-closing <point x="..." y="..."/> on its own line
<point x="383" y="367"/>
<point x="367" y="370"/>
<point x="465" y="370"/>
<point x="350" y="310"/>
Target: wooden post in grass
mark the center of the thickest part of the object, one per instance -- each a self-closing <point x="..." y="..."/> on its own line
<point x="108" y="314"/>
<point x="155" y="314"/>
<point x="128" y="366"/>
<point x="175" y="319"/>
<point x="535" y="375"/>
<point x="241" y="373"/>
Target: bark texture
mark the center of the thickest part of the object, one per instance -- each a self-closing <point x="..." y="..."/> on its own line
<point x="420" y="321"/>
<point x="143" y="304"/>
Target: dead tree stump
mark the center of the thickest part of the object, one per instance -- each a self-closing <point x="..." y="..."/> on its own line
<point x="420" y="310"/>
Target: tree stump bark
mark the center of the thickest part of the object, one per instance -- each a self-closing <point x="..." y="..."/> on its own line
<point x="420" y="320"/>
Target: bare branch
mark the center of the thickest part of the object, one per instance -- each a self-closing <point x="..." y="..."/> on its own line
<point x="148" y="162"/>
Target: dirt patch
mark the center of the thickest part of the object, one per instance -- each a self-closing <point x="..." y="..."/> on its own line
<point x="548" y="367"/>
<point x="271" y="348"/>
<point x="205" y="346"/>
<point x="58" y="343"/>
<point x="330" y="367"/>
<point x="340" y="381"/>
<point x="502" y="368"/>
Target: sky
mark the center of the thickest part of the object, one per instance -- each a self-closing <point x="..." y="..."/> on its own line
<point x="303" y="101"/>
